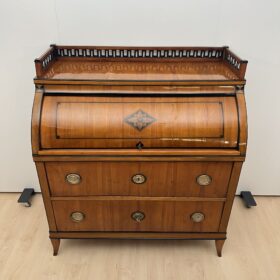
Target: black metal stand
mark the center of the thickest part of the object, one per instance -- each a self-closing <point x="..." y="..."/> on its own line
<point x="248" y="199"/>
<point x="25" y="196"/>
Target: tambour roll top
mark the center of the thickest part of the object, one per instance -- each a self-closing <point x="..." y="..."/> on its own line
<point x="123" y="122"/>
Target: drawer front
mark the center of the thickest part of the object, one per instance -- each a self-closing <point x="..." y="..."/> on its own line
<point x="137" y="215"/>
<point x="197" y="179"/>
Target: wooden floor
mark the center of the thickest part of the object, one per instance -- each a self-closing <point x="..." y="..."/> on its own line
<point x="252" y="250"/>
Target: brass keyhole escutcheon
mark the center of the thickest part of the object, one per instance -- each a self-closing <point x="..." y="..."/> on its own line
<point x="198" y="217"/>
<point x="73" y="178"/>
<point x="77" y="216"/>
<point x="139" y="145"/>
<point x="138" y="216"/>
<point x="138" y="179"/>
<point x="204" y="180"/>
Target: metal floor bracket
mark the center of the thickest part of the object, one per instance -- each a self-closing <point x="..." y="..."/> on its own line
<point x="25" y="196"/>
<point x="248" y="199"/>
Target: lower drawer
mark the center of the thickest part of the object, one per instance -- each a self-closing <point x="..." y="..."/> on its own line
<point x="137" y="215"/>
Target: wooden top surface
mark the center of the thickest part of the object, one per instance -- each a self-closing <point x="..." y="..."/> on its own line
<point x="139" y="65"/>
<point x="91" y="69"/>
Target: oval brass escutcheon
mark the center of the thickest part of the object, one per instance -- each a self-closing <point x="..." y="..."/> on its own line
<point x="204" y="180"/>
<point x="73" y="178"/>
<point x="198" y="217"/>
<point x="77" y="216"/>
<point x="138" y="216"/>
<point x="138" y="179"/>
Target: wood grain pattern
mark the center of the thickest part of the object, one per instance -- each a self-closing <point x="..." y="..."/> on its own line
<point x="100" y="122"/>
<point x="180" y="154"/>
<point x="80" y="69"/>
<point x="55" y="243"/>
<point x="135" y="90"/>
<point x="35" y="122"/>
<point x="138" y="198"/>
<point x="93" y="105"/>
<point x="39" y="81"/>
<point x="42" y="175"/>
<point x="162" y="178"/>
<point x="138" y="235"/>
<point x="128" y="63"/>
<point x="236" y="170"/>
<point x="243" y="134"/>
<point x="115" y="215"/>
<point x="219" y="246"/>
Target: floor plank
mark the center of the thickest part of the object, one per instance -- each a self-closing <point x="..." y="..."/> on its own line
<point x="250" y="252"/>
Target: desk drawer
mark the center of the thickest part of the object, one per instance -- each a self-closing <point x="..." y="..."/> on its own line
<point x="137" y="215"/>
<point x="197" y="179"/>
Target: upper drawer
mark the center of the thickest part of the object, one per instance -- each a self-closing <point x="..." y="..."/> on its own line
<point x="122" y="122"/>
<point x="196" y="179"/>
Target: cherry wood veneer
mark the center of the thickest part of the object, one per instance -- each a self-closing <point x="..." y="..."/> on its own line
<point x="162" y="178"/>
<point x="95" y="122"/>
<point x="115" y="215"/>
<point x="171" y="114"/>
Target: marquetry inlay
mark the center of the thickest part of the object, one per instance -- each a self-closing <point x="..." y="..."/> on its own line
<point x="139" y="120"/>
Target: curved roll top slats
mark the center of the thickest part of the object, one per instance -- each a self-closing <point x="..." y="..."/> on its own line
<point x="121" y="122"/>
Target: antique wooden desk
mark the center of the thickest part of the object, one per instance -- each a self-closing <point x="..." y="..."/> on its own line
<point x="136" y="142"/>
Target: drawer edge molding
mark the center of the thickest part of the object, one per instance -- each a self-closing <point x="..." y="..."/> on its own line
<point x="85" y="158"/>
<point x="143" y="152"/>
<point x="138" y="235"/>
<point x="136" y="198"/>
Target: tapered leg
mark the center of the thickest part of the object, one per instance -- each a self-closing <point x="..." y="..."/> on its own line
<point x="55" y="244"/>
<point x="219" y="246"/>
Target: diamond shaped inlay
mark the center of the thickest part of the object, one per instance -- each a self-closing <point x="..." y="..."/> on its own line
<point x="139" y="120"/>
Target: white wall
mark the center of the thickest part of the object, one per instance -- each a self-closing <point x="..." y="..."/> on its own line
<point x="251" y="28"/>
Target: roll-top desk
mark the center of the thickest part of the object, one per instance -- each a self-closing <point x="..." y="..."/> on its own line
<point x="135" y="142"/>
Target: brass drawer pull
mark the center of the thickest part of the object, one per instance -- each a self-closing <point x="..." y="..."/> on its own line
<point x="138" y="216"/>
<point x="73" y="178"/>
<point x="198" y="217"/>
<point x="204" y="180"/>
<point x="77" y="216"/>
<point x="139" y="179"/>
